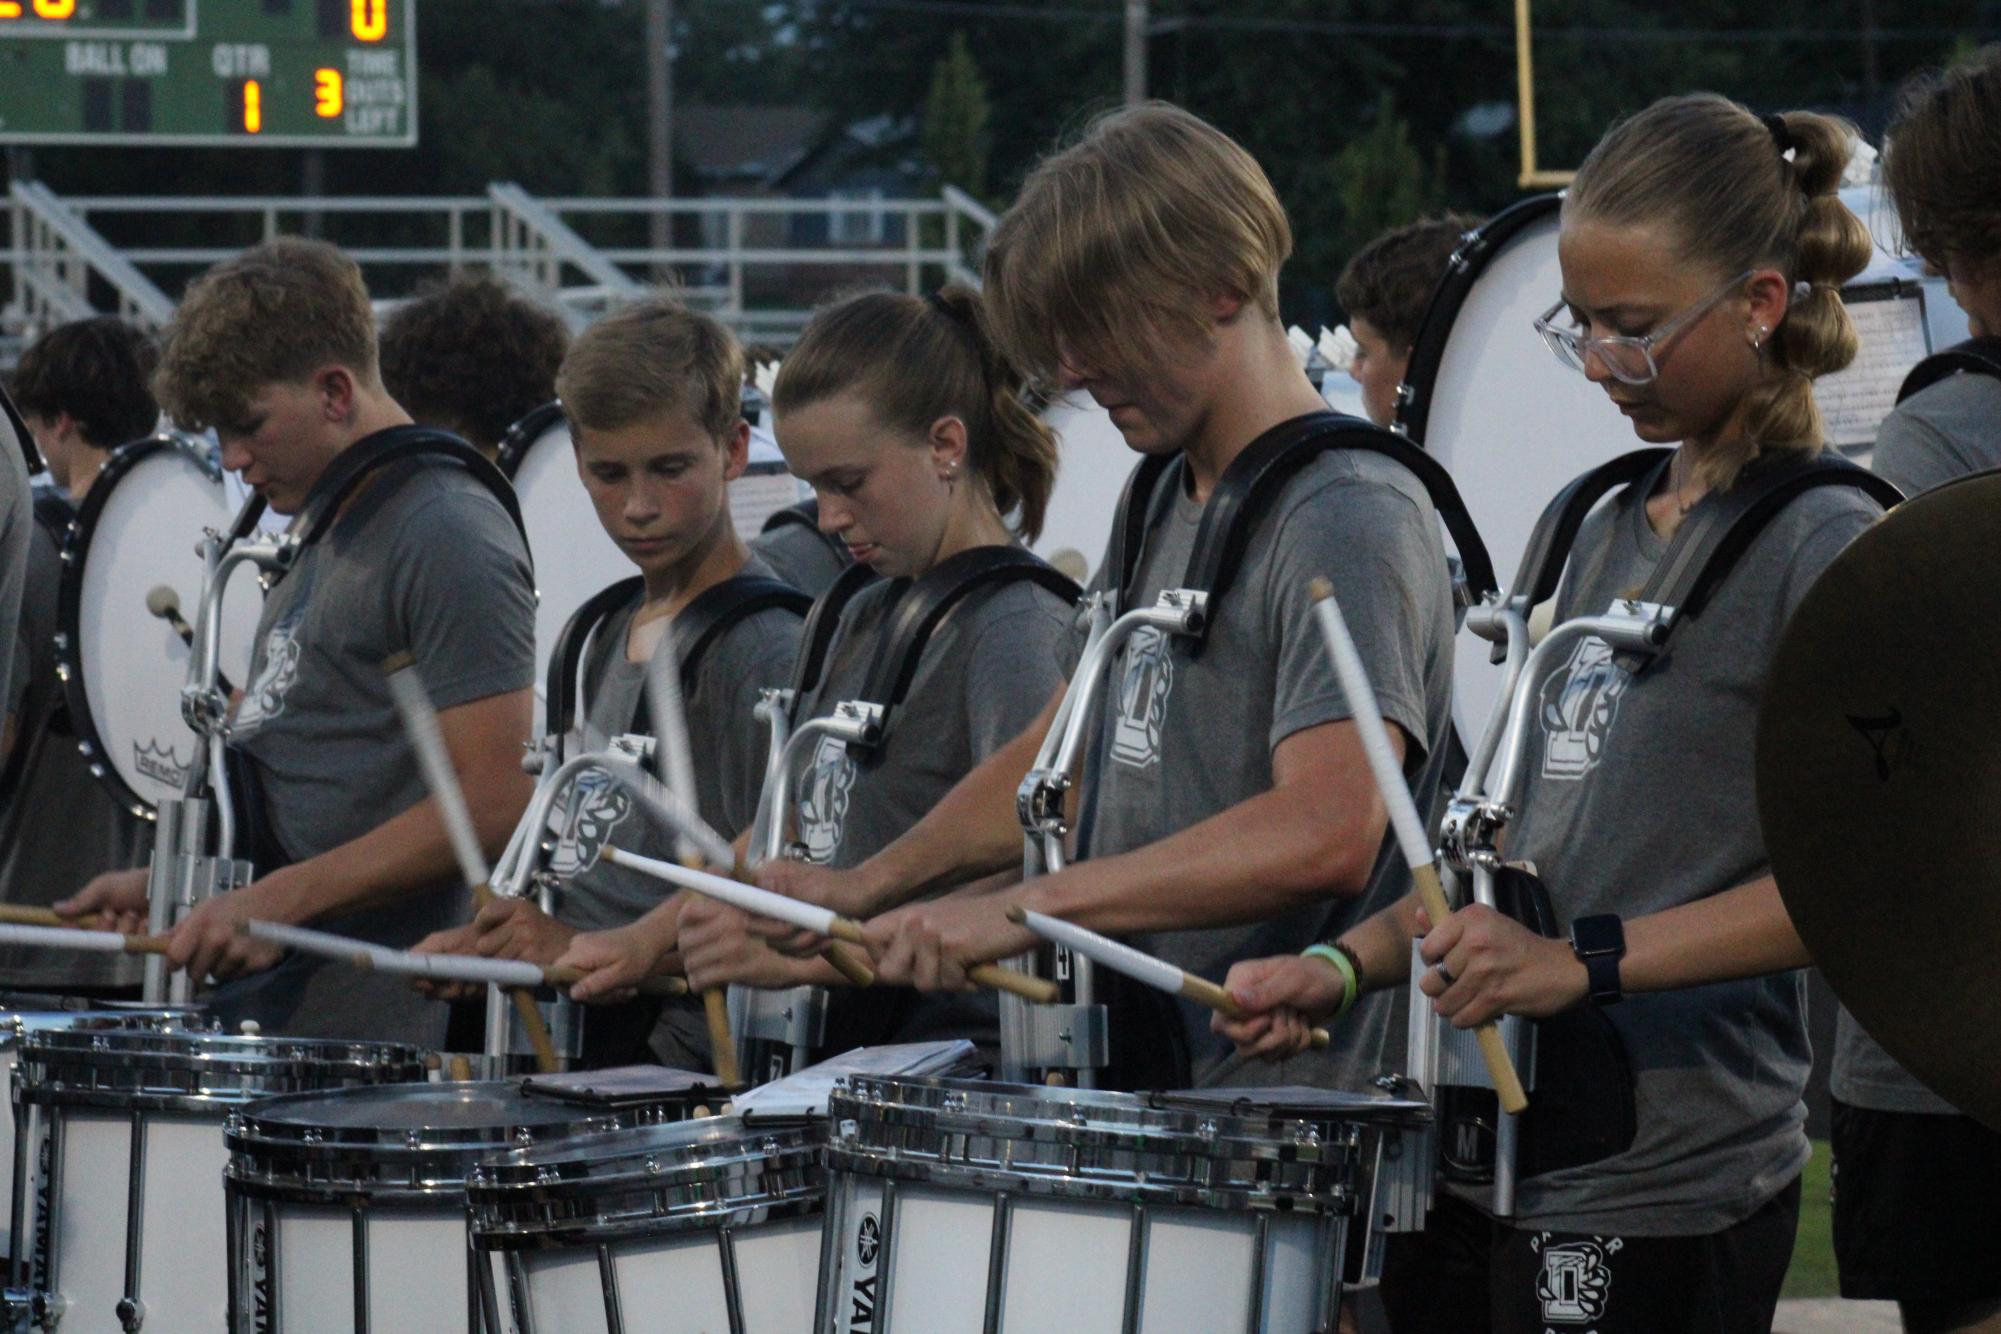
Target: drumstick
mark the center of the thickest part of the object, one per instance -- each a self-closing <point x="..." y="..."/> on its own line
<point x="812" y="917"/>
<point x="1140" y="966"/>
<point x="514" y="973"/>
<point x="76" y="938"/>
<point x="670" y="725"/>
<point x="420" y="723"/>
<point x="1403" y="816"/>
<point x="15" y="915"/>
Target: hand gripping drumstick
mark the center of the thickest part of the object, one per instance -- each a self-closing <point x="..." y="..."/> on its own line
<point x="1138" y="965"/>
<point x="420" y="722"/>
<point x="812" y="917"/>
<point x="511" y="973"/>
<point x="670" y="724"/>
<point x="1403" y="816"/>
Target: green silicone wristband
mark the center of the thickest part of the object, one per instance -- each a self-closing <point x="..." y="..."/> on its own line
<point x="1342" y="964"/>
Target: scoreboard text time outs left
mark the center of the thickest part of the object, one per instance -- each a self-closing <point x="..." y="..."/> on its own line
<point x="288" y="73"/>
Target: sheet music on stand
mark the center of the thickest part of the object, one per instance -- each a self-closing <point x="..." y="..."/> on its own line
<point x="804" y="1093"/>
<point x="1890" y="320"/>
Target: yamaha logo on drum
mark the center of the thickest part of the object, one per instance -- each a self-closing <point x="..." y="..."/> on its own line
<point x="160" y="763"/>
<point x="868" y="1239"/>
<point x="862" y="1295"/>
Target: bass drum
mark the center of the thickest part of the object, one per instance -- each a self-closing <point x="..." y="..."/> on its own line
<point x="122" y="665"/>
<point x="1511" y="423"/>
<point x="573" y="557"/>
<point x="1095" y="460"/>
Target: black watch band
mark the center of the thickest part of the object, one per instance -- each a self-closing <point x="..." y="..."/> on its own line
<point x="1599" y="942"/>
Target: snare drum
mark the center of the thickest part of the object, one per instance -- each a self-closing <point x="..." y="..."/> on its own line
<point x="24" y="1014"/>
<point x="127" y="1210"/>
<point x="711" y="1227"/>
<point x="347" y="1209"/>
<point x="957" y="1207"/>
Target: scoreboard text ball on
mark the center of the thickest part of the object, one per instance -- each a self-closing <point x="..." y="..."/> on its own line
<point x="288" y="73"/>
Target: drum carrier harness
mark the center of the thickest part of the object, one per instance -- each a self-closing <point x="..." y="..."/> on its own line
<point x="789" y="1025"/>
<point x="1071" y="1040"/>
<point x="1975" y="356"/>
<point x="1581" y="1108"/>
<point x="198" y="836"/>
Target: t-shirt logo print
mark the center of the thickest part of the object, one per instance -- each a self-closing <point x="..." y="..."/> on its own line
<point x="1578" y="705"/>
<point x="278" y="668"/>
<point x="1575" y="1285"/>
<point x="601" y="805"/>
<point x="823" y="808"/>
<point x="1142" y="704"/>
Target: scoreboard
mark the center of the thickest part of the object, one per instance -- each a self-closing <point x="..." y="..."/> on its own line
<point x="285" y="73"/>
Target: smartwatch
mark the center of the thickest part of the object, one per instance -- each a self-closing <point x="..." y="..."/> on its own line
<point x="1600" y="942"/>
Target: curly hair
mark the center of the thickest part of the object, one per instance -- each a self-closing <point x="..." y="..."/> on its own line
<point x="274" y="314"/>
<point x="1711" y="172"/>
<point x="473" y="355"/>
<point x="1942" y="164"/>
<point x="1389" y="281"/>
<point x="96" y="371"/>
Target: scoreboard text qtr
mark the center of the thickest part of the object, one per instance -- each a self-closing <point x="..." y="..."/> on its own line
<point x="290" y="73"/>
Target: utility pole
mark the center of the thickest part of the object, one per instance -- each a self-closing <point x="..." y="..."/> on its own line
<point x="660" y="117"/>
<point x="1136" y="26"/>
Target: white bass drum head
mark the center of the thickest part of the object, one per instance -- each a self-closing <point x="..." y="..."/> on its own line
<point x="1093" y="461"/>
<point x="123" y="666"/>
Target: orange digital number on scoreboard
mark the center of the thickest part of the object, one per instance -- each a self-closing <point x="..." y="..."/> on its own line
<point x="44" y="9"/>
<point x="369" y="19"/>
<point x="253" y="107"/>
<point x="329" y="94"/>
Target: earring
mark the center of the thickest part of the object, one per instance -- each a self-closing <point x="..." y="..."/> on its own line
<point x="1758" y="338"/>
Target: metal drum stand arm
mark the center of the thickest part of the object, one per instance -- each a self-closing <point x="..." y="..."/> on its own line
<point x="186" y="869"/>
<point x="1075" y="1037"/>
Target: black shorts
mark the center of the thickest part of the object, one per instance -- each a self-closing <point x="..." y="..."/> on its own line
<point x="1466" y="1274"/>
<point x="1917" y="1206"/>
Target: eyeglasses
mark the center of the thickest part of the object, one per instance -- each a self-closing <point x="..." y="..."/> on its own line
<point x="1629" y="358"/>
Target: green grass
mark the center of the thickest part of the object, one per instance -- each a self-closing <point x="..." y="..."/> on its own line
<point x="1812" y="1273"/>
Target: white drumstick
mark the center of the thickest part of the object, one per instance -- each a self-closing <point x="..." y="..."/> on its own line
<point x="751" y="899"/>
<point x="1136" y="964"/>
<point x="1403" y="814"/>
<point x="509" y="973"/>
<point x="76" y="938"/>
<point x="420" y="721"/>
<point x="811" y="917"/>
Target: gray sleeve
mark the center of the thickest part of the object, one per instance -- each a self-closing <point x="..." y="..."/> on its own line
<point x="1914" y="455"/>
<point x="462" y="598"/>
<point x="1372" y="545"/>
<point x="1825" y="540"/>
<point x="1016" y="663"/>
<point x="17" y="523"/>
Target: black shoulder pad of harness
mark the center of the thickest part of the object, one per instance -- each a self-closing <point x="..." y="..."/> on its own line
<point x="54" y="512"/>
<point x="929" y="601"/>
<point x="566" y="658"/>
<point x="1129" y="522"/>
<point x="1556" y="531"/>
<point x="31" y="456"/>
<point x="1255" y="477"/>
<point x="1722" y="527"/>
<point x="514" y="442"/>
<point x="823" y="623"/>
<point x="1976" y="356"/>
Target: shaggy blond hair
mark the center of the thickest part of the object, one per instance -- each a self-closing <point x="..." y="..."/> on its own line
<point x="1116" y="245"/>
<point x="652" y="356"/>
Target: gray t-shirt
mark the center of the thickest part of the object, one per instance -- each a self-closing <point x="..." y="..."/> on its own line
<point x="1948" y="430"/>
<point x="58" y="825"/>
<point x="800" y="556"/>
<point x="1943" y="432"/>
<point x="423" y="561"/>
<point x="1187" y="734"/>
<point x="728" y="745"/>
<point x="17" y="522"/>
<point x="1640" y="796"/>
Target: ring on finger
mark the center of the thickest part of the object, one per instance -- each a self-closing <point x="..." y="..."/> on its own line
<point x="1444" y="974"/>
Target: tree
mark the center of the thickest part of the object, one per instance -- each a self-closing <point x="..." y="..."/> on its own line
<point x="955" y="120"/>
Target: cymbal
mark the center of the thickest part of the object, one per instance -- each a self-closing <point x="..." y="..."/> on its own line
<point x="1879" y="785"/>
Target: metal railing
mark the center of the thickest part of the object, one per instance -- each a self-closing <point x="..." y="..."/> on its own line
<point x="759" y="264"/>
<point x="58" y="256"/>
